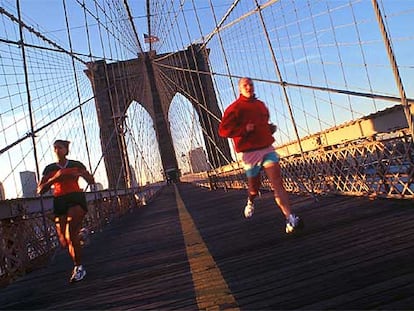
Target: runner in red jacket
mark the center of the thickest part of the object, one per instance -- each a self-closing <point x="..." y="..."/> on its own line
<point x="246" y="121"/>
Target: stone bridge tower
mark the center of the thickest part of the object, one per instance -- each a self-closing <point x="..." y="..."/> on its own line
<point x="153" y="80"/>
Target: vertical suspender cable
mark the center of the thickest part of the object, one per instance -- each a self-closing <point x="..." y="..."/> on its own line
<point x="113" y="95"/>
<point x="222" y="45"/>
<point x="138" y="54"/>
<point x="29" y="103"/>
<point x="282" y="83"/>
<point x="223" y="49"/>
<point x="108" y="89"/>
<point x="279" y="74"/>
<point x="149" y="24"/>
<point x="397" y="77"/>
<point x="77" y="86"/>
<point x="133" y="27"/>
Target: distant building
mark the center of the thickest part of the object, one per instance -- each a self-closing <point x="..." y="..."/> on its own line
<point x="96" y="187"/>
<point x="134" y="182"/>
<point x="29" y="184"/>
<point x="2" y="193"/>
<point x="198" y="160"/>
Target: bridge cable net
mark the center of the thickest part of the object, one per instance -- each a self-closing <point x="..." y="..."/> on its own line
<point x="318" y="65"/>
<point x="54" y="99"/>
<point x="334" y="74"/>
<point x="46" y="95"/>
<point x="321" y="67"/>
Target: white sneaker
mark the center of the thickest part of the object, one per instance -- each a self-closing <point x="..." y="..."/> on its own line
<point x="249" y="209"/>
<point x="78" y="274"/>
<point x="293" y="223"/>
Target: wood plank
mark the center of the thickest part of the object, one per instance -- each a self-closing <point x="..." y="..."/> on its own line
<point x="354" y="253"/>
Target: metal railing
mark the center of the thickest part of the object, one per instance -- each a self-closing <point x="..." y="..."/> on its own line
<point x="27" y="231"/>
<point x="378" y="166"/>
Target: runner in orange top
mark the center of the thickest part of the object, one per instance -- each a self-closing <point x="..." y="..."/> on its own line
<point x="69" y="203"/>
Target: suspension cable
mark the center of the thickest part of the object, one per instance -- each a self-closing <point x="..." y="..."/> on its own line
<point x="393" y="62"/>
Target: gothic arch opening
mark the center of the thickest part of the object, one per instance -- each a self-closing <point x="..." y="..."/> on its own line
<point x="187" y="135"/>
<point x="145" y="165"/>
<point x="114" y="89"/>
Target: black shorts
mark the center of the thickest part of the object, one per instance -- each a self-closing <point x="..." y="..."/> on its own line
<point x="61" y="204"/>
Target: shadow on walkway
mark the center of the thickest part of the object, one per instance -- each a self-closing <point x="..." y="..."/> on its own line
<point x="191" y="249"/>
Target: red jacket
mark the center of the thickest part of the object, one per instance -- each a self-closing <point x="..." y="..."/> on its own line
<point x="233" y="124"/>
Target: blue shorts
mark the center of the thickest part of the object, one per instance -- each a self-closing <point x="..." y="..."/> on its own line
<point x="270" y="158"/>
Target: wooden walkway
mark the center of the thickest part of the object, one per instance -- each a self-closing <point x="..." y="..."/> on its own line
<point x="195" y="251"/>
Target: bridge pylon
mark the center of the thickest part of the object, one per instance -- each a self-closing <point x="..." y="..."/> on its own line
<point x="152" y="81"/>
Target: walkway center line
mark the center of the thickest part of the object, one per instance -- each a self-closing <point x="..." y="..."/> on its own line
<point x="211" y="289"/>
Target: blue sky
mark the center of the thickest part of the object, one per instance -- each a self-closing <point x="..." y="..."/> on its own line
<point x="321" y="39"/>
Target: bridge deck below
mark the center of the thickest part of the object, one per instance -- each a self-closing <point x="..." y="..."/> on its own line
<point x="200" y="253"/>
